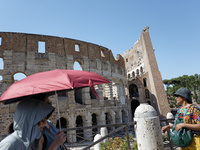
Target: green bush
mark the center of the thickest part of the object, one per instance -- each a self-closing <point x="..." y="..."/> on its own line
<point x="118" y="143"/>
<point x="165" y="137"/>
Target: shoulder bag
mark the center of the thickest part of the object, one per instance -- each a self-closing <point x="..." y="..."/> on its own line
<point x="183" y="137"/>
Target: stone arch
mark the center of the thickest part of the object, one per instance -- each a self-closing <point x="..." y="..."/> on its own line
<point x="134" y="105"/>
<point x="94" y="123"/>
<point x="63" y="123"/>
<point x="78" y="96"/>
<point x="115" y="88"/>
<point x="10" y="129"/>
<point x="137" y="72"/>
<point x="147" y="95"/>
<point x="78" y="65"/>
<point x="124" y="116"/>
<point x="133" y="91"/>
<point x="121" y="92"/>
<point x="98" y="117"/>
<point x="133" y="74"/>
<point x="79" y="132"/>
<point x="117" y="117"/>
<point x="108" y="120"/>
<point x="145" y="82"/>
<point x="141" y="70"/>
<point x="106" y="91"/>
<point x="18" y="76"/>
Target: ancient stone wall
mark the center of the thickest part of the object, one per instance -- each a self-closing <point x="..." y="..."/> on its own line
<point x="144" y="78"/>
<point x="20" y="54"/>
<point x="134" y="78"/>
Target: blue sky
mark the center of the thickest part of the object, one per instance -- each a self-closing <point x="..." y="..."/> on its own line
<point x="174" y="26"/>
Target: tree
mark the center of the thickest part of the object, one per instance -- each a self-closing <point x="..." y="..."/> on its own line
<point x="190" y="82"/>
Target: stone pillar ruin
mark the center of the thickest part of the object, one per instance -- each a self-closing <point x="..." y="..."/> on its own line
<point x="88" y="122"/>
<point x="147" y="128"/>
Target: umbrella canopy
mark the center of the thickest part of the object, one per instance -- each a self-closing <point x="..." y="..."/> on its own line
<point x="49" y="81"/>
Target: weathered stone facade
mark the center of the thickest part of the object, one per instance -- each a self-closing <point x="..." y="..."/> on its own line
<point x="119" y="98"/>
<point x="144" y="78"/>
<point x="78" y="108"/>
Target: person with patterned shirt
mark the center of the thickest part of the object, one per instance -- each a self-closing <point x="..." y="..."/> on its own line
<point x="191" y="116"/>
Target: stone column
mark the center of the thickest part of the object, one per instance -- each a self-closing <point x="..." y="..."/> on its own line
<point x="71" y="134"/>
<point x="115" y="92"/>
<point x="98" y="67"/>
<point x="99" y="90"/>
<point x="102" y="118"/>
<point x="86" y="96"/>
<point x="71" y="100"/>
<point x="86" y="64"/>
<point x="147" y="127"/>
<point x="109" y="91"/>
<point x="88" y="122"/>
<point x="70" y="62"/>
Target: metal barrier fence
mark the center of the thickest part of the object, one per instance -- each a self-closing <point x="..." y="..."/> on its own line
<point x="113" y="133"/>
<point x="125" y="129"/>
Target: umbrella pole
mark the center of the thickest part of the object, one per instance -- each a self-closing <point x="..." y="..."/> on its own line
<point x="57" y="104"/>
<point x="58" y="110"/>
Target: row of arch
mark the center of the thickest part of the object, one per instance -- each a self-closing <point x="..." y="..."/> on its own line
<point x="93" y="120"/>
<point x="137" y="74"/>
<point x="19" y="75"/>
<point x="107" y="89"/>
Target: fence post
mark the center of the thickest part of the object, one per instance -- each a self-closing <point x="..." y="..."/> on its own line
<point x="127" y="137"/>
<point x="170" y="116"/>
<point x="96" y="138"/>
<point x="104" y="132"/>
<point x="147" y="128"/>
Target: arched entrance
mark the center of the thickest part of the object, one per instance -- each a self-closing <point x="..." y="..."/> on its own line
<point x="94" y="123"/>
<point x="134" y="105"/>
<point x="133" y="91"/>
<point x="79" y="132"/>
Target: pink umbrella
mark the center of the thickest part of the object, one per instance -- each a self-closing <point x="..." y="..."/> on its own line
<point x="50" y="81"/>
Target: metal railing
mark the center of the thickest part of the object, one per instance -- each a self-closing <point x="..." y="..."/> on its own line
<point x="113" y="133"/>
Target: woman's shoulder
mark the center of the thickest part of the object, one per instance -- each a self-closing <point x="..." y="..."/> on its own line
<point x="195" y="106"/>
<point x="194" y="109"/>
<point x="11" y="142"/>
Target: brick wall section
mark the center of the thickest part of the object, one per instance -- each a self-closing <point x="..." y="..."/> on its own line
<point x="19" y="52"/>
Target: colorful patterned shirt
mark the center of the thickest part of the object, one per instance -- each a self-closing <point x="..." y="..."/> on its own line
<point x="192" y="115"/>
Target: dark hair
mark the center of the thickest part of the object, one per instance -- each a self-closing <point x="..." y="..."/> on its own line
<point x="186" y="99"/>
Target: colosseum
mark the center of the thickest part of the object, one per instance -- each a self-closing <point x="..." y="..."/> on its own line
<point x="134" y="78"/>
